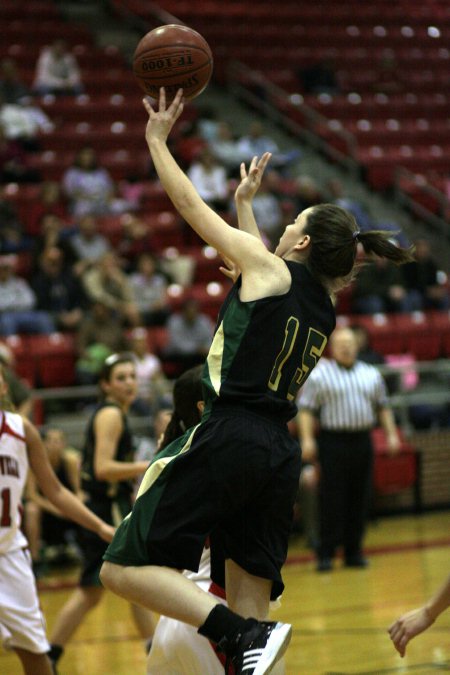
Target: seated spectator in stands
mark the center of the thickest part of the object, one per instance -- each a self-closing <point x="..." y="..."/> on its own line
<point x="365" y="351"/>
<point x="57" y="71"/>
<point x="12" y="88"/>
<point x="152" y="383"/>
<point x="338" y="195"/>
<point x="224" y="149"/>
<point x="422" y="279"/>
<point x="134" y="240"/>
<point x="210" y="180"/>
<point x="149" y="289"/>
<point x="18" y="302"/>
<point x="12" y="238"/>
<point x="90" y="188"/>
<point x="14" y="165"/>
<point x="88" y="244"/>
<point x="320" y="78"/>
<point x="189" y="336"/>
<point x="44" y="525"/>
<point x="379" y="288"/>
<point x="107" y="283"/>
<point x="53" y="232"/>
<point x="49" y="202"/>
<point x="99" y="335"/>
<point x="58" y="291"/>
<point x="207" y="123"/>
<point x="24" y="122"/>
<point x="256" y="142"/>
<point x="307" y="192"/>
<point x="19" y="391"/>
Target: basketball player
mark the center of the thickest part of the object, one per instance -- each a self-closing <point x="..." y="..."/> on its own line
<point x="107" y="478"/>
<point x="22" y="625"/>
<point x="237" y="471"/>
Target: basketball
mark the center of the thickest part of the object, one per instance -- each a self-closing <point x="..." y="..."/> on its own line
<point x="173" y="57"/>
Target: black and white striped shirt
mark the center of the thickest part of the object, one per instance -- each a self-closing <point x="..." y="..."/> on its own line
<point x="347" y="399"/>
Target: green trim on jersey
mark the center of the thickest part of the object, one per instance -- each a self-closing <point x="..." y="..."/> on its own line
<point x="225" y="345"/>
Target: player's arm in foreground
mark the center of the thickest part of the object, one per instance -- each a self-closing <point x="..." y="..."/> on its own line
<point x="416" y="621"/>
<point x="64" y="500"/>
<point x="262" y="272"/>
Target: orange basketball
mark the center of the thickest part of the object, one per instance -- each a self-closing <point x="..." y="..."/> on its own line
<point x="173" y="57"/>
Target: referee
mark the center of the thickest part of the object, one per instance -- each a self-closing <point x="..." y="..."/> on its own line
<point x="349" y="398"/>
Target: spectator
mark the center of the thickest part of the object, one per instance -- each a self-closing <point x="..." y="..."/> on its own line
<point x="54" y="232"/>
<point x="422" y="279"/>
<point x="379" y="287"/>
<point x="151" y="381"/>
<point x="209" y="179"/>
<point x="320" y="78"/>
<point x="337" y="195"/>
<point x="134" y="240"/>
<point x="12" y="89"/>
<point x="57" y="71"/>
<point x="256" y="143"/>
<point x="12" y="238"/>
<point x="190" y="334"/>
<point x="107" y="283"/>
<point x="388" y="79"/>
<point x="89" y="187"/>
<point x="44" y="525"/>
<point x="99" y="335"/>
<point x="150" y="291"/>
<point x="207" y="123"/>
<point x="88" y="244"/>
<point x="307" y="192"/>
<point x="18" y="125"/>
<point x="19" y="390"/>
<point x="350" y="398"/>
<point x="49" y="201"/>
<point x="58" y="291"/>
<point x="17" y="304"/>
<point x="14" y="166"/>
<point x="224" y="148"/>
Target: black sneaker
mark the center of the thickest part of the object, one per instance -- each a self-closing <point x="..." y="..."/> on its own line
<point x="261" y="647"/>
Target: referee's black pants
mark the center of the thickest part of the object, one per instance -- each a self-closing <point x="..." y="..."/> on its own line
<point x="346" y="460"/>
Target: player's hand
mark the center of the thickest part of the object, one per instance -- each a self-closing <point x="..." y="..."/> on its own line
<point x="161" y="121"/>
<point x="407" y="626"/>
<point x="231" y="270"/>
<point x="251" y="180"/>
<point x="106" y="532"/>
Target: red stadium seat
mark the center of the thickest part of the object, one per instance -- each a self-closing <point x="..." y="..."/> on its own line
<point x="55" y="356"/>
<point x="393" y="473"/>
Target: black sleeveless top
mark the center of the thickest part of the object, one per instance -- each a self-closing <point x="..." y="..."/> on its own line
<point x="264" y="350"/>
<point x="105" y="490"/>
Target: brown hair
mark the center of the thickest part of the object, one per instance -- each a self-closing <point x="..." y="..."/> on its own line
<point x="5" y="400"/>
<point x="110" y="363"/>
<point x="187" y="392"/>
<point x="334" y="237"/>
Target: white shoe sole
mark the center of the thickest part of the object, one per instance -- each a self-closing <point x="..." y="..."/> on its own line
<point x="275" y="648"/>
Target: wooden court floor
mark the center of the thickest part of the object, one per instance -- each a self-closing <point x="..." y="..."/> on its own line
<point x="339" y="618"/>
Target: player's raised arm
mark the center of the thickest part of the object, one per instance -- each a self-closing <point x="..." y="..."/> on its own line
<point x="239" y="246"/>
<point x="245" y="192"/>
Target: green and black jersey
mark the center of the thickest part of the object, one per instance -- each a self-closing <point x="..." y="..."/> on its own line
<point x="104" y="490"/>
<point x="264" y="350"/>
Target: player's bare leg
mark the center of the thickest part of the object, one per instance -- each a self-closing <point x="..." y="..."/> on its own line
<point x="161" y="589"/>
<point x="247" y="595"/>
<point x="34" y="664"/>
<point x="72" y="614"/>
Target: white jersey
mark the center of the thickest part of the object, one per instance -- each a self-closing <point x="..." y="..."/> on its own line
<point x="177" y="648"/>
<point x="13" y="474"/>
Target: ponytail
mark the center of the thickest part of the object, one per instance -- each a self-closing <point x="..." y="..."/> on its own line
<point x="334" y="237"/>
<point x="379" y="242"/>
<point x="187" y="392"/>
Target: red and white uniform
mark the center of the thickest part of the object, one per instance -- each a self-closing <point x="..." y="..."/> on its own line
<point x="177" y="648"/>
<point x="21" y="621"/>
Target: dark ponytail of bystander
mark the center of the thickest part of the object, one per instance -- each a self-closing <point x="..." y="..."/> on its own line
<point x="187" y="404"/>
